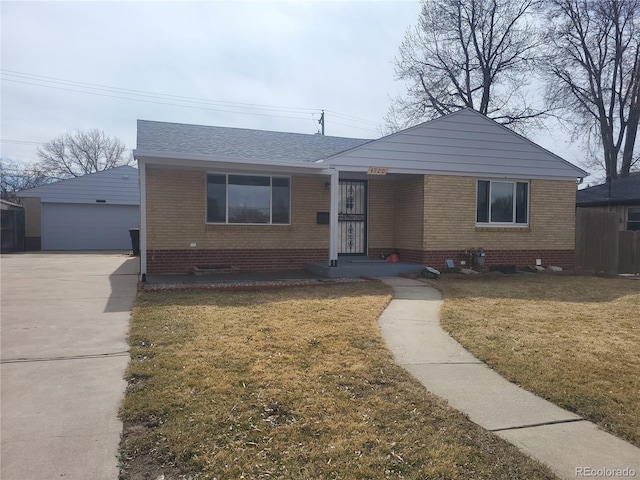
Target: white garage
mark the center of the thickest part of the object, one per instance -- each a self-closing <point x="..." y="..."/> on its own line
<point x="92" y="212"/>
<point x="74" y="226"/>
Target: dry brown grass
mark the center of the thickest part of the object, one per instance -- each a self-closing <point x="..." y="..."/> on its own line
<point x="573" y="340"/>
<point x="289" y="384"/>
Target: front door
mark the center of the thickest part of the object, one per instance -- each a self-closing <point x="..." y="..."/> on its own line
<point x="352" y="217"/>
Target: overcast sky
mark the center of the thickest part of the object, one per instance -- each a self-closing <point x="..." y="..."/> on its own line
<point x="70" y="66"/>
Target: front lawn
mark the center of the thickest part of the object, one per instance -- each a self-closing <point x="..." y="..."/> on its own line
<point x="573" y="340"/>
<point x="289" y="384"/>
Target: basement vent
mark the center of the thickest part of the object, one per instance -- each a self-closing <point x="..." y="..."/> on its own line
<point x="101" y="201"/>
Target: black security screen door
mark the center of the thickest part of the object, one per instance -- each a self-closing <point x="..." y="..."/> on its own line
<point x="352" y="217"/>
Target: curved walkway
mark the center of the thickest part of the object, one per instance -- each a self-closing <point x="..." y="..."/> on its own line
<point x="571" y="446"/>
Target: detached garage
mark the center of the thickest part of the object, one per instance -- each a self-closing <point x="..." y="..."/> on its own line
<point x="92" y="212"/>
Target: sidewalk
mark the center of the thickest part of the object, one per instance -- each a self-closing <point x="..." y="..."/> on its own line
<point x="571" y="446"/>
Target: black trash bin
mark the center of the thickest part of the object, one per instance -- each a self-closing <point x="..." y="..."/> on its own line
<point x="135" y="240"/>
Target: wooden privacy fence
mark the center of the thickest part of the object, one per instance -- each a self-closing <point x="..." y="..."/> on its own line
<point x="629" y="252"/>
<point x="602" y="247"/>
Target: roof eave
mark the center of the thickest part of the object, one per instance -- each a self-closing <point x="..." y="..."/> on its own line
<point x="212" y="162"/>
<point x="608" y="201"/>
<point x="200" y="160"/>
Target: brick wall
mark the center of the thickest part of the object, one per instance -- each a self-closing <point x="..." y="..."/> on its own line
<point x="408" y="212"/>
<point x="519" y="258"/>
<point x="426" y="219"/>
<point x="450" y="226"/>
<point x="450" y="214"/>
<point x="176" y="214"/>
<point x="381" y="217"/>
<point x="183" y="261"/>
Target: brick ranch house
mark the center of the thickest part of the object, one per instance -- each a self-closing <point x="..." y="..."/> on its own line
<point x="269" y="201"/>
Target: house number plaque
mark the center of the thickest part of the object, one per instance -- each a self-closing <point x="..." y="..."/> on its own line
<point x="377" y="170"/>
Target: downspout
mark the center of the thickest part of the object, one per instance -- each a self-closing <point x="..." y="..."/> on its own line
<point x="333" y="218"/>
<point x="142" y="171"/>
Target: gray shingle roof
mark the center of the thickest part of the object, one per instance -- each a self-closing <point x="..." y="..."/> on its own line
<point x="623" y="191"/>
<point x="184" y="139"/>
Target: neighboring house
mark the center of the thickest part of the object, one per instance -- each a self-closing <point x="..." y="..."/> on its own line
<point x="621" y="196"/>
<point x="258" y="200"/>
<point x="92" y="212"/>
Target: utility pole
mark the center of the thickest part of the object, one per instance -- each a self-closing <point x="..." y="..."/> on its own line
<point x="321" y="121"/>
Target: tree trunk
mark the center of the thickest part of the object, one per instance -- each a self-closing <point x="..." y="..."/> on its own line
<point x="609" y="150"/>
<point x="630" y="140"/>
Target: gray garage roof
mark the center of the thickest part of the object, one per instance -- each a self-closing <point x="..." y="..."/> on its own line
<point x="183" y="139"/>
<point x="117" y="185"/>
<point x="623" y="191"/>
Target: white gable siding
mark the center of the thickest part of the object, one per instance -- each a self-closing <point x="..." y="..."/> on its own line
<point x="117" y="186"/>
<point x="463" y="143"/>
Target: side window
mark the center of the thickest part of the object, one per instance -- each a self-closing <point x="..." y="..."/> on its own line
<point x="502" y="202"/>
<point x="633" y="218"/>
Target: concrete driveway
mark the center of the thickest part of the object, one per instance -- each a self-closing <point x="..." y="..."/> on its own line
<point x="64" y="323"/>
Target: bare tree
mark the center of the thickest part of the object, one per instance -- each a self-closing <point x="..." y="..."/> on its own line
<point x="73" y="155"/>
<point x="468" y="53"/>
<point x="593" y="71"/>
<point x="15" y="177"/>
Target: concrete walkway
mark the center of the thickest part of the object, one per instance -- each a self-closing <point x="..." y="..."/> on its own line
<point x="572" y="447"/>
<point x="64" y="323"/>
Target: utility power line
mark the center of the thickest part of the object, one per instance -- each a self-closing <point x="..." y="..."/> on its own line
<point x="21" y="142"/>
<point x="350" y="117"/>
<point x="142" y="93"/>
<point x="263" y="110"/>
<point x="173" y="104"/>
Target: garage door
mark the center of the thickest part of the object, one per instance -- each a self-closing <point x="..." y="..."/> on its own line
<point x="73" y="226"/>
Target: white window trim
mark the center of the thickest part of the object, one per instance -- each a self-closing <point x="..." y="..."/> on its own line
<point x="226" y="210"/>
<point x="512" y="224"/>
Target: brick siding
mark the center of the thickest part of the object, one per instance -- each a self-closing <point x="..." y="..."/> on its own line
<point x="183" y="261"/>
<point x="379" y="253"/>
<point x="519" y="258"/>
<point x="381" y="213"/>
<point x="450" y="217"/>
<point x="409" y="208"/>
<point x="427" y="219"/>
<point x="176" y="216"/>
